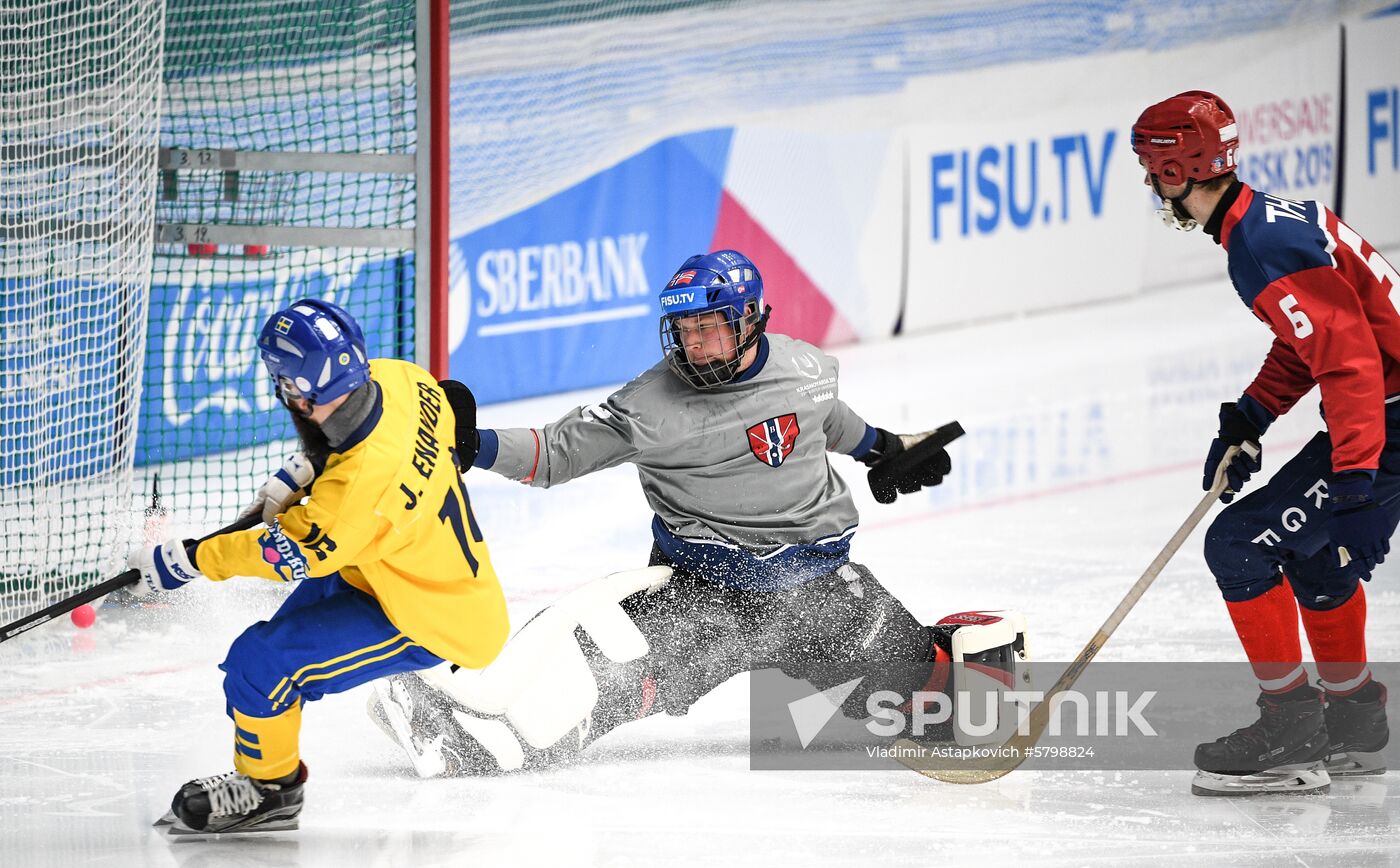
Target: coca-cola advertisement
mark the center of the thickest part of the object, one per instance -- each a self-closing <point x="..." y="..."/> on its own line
<point x="205" y="389"/>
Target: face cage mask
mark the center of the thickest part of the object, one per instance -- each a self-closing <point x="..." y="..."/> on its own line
<point x="287" y="392"/>
<point x="713" y="374"/>
<point x="1172" y="212"/>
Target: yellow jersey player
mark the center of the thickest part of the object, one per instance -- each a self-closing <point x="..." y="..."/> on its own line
<point x="393" y="573"/>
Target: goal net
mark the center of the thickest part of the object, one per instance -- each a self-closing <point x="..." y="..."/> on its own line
<point x="287" y="170"/>
<point x="79" y="88"/>
<point x="173" y="172"/>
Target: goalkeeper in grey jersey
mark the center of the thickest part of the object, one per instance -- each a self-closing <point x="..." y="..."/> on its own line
<point x="750" y="562"/>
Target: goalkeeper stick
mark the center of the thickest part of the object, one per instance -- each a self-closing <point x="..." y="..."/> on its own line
<point x="1009" y="756"/>
<point x="9" y="631"/>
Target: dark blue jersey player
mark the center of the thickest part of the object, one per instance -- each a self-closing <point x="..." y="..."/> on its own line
<point x="1299" y="545"/>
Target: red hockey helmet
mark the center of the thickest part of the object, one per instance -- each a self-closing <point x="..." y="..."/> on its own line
<point x="1189" y="137"/>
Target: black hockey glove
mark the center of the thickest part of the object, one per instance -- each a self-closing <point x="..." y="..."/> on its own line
<point x="904" y="463"/>
<point x="1235" y="430"/>
<point x="464" y="408"/>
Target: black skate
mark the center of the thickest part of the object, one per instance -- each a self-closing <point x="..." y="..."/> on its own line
<point x="234" y="802"/>
<point x="1358" y="729"/>
<point x="1281" y="752"/>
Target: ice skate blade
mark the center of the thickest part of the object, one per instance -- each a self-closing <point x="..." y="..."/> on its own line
<point x="167" y="820"/>
<point x="287" y="824"/>
<point x="1355" y="764"/>
<point x="1286" y="781"/>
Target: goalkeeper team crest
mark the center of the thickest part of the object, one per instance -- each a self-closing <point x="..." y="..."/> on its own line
<point x="771" y="440"/>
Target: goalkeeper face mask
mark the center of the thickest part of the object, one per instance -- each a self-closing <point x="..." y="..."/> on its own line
<point x="712" y="315"/>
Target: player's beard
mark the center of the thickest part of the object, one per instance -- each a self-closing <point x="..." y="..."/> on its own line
<point x="313" y="440"/>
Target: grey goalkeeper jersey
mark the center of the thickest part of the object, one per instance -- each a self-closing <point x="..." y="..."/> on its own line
<point x="742" y="466"/>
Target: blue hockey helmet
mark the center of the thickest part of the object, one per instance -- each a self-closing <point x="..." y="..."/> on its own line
<point x="314" y="350"/>
<point x="723" y="282"/>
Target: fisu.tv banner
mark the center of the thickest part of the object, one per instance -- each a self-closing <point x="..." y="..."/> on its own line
<point x="1026" y="195"/>
<point x="1371" y="194"/>
<point x="1021" y="195"/>
<point x="563" y="295"/>
<point x="205" y="388"/>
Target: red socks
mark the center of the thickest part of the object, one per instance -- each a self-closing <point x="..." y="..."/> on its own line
<point x="1338" y="640"/>
<point x="1268" y="629"/>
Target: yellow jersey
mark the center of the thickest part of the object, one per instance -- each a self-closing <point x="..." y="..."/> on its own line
<point x="391" y="515"/>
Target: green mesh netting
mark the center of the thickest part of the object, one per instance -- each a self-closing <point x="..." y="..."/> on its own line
<point x="306" y="76"/>
<point x="78" y="87"/>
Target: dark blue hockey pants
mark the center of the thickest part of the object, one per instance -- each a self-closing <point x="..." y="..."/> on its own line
<point x="1282" y="526"/>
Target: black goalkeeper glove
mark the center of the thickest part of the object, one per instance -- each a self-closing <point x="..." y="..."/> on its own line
<point x="904" y="463"/>
<point x="464" y="408"/>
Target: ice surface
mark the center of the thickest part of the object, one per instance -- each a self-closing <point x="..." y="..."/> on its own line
<point x="1086" y="433"/>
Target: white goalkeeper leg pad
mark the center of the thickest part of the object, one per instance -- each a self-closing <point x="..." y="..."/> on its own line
<point x="989" y="656"/>
<point x="975" y="633"/>
<point x="540" y="688"/>
<point x="496" y="737"/>
<point x="541" y="682"/>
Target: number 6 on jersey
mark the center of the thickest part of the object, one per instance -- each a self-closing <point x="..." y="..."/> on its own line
<point x="1302" y="326"/>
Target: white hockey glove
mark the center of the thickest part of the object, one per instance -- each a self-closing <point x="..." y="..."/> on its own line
<point x="167" y="567"/>
<point x="282" y="489"/>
